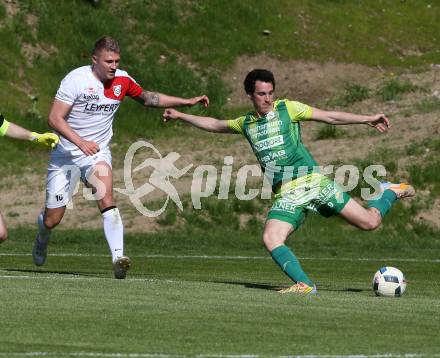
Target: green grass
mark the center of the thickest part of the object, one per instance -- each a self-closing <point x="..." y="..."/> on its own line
<point x="428" y="105"/>
<point x="425" y="172"/>
<point x="27" y="158"/>
<point x="426" y="175"/>
<point x="179" y="302"/>
<point x="2" y="12"/>
<point x="393" y="88"/>
<point x="193" y="60"/>
<point x="425" y="146"/>
<point x="352" y="93"/>
<point x="401" y="234"/>
<point x="219" y="306"/>
<point x="327" y="131"/>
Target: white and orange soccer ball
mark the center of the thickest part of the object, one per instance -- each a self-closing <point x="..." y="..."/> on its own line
<point x="389" y="282"/>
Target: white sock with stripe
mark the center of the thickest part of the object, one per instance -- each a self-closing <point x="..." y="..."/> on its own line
<point x="114" y="231"/>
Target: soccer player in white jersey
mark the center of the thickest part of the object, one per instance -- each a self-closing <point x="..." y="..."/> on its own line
<point x="12" y="130"/>
<point x="82" y="114"/>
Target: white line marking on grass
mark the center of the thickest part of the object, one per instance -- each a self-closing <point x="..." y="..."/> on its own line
<point x="87" y="354"/>
<point x="164" y="355"/>
<point x="226" y="257"/>
<point x="57" y="276"/>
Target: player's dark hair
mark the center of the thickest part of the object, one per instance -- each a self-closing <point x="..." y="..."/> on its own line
<point x="106" y="43"/>
<point x="257" y="75"/>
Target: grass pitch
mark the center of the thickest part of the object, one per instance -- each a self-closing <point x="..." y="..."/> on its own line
<point x="209" y="305"/>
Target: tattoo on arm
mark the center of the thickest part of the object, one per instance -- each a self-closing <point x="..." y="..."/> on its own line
<point x="150" y="99"/>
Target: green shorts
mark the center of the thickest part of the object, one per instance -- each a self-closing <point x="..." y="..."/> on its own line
<point x="312" y="192"/>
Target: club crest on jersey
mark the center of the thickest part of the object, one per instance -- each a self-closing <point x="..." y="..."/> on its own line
<point x="270" y="115"/>
<point x="117" y="90"/>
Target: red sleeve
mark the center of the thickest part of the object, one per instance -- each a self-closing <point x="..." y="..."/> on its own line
<point x="122" y="86"/>
<point x="134" y="90"/>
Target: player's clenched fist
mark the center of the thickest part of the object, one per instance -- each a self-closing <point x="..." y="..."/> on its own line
<point x="170" y="113"/>
<point x="88" y="147"/>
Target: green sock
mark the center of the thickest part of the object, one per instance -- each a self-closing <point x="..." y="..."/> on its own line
<point x="288" y="262"/>
<point x="385" y="202"/>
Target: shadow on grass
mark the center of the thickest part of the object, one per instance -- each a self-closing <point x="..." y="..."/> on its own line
<point x="263" y="286"/>
<point x="331" y="289"/>
<point x="71" y="273"/>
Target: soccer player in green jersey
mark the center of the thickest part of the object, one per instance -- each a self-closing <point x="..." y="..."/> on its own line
<point x="14" y="131"/>
<point x="273" y="131"/>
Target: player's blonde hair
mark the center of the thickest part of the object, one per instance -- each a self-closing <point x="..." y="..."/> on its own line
<point x="106" y="43"/>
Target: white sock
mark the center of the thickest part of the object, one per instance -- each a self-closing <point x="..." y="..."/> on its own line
<point x="114" y="232"/>
<point x="43" y="231"/>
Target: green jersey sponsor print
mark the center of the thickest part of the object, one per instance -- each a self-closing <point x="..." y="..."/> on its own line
<point x="276" y="140"/>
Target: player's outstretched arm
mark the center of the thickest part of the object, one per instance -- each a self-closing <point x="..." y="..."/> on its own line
<point x="13" y="130"/>
<point x="155" y="99"/>
<point x="208" y="124"/>
<point x="378" y="121"/>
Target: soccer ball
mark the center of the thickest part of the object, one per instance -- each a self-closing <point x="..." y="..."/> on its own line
<point x="389" y="282"/>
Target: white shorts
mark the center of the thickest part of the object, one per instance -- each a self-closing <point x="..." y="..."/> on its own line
<point x="64" y="172"/>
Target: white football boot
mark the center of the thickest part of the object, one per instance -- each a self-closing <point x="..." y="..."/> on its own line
<point x="121" y="266"/>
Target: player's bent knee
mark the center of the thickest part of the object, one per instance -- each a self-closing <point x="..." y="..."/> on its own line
<point x="51" y="221"/>
<point x="371" y="224"/>
<point x="272" y="239"/>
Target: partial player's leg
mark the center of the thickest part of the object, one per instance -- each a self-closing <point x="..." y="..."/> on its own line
<point x="279" y="225"/>
<point x="371" y="217"/>
<point x="51" y="217"/>
<point x="62" y="177"/>
<point x="362" y="218"/>
<point x="329" y="199"/>
<point x="46" y="221"/>
<point x="3" y="230"/>
<point x="101" y="179"/>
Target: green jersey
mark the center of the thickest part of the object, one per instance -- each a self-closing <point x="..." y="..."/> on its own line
<point x="276" y="140"/>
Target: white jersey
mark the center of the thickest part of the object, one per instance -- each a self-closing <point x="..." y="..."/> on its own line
<point x="94" y="105"/>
